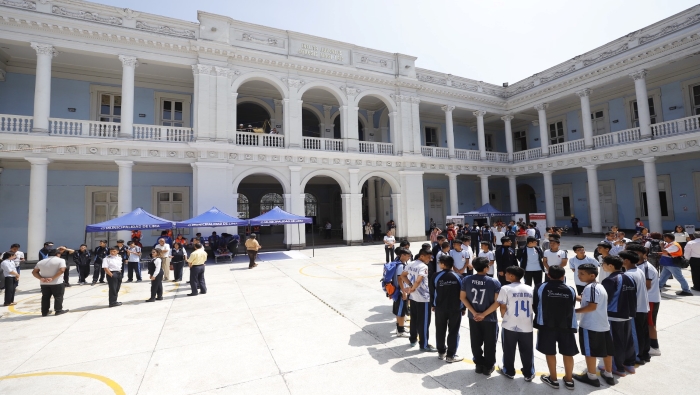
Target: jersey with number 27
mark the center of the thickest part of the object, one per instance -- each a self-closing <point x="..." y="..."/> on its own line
<point x="481" y="293"/>
<point x="517" y="298"/>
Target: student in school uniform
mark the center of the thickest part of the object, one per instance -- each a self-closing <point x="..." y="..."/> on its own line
<point x="603" y="250"/>
<point x="654" y="297"/>
<point x="448" y="309"/>
<point x="554" y="303"/>
<point x="461" y="256"/>
<point x="622" y="306"/>
<point x="479" y="295"/>
<point x="155" y="273"/>
<point x="9" y="273"/>
<point x="580" y="259"/>
<point x="445" y="251"/>
<point x="530" y="258"/>
<point x="474" y="236"/>
<point x="640" y="328"/>
<point x="488" y="254"/>
<point x="594" y="329"/>
<point x="112" y="265"/>
<point x="415" y="283"/>
<point x="515" y="301"/>
<point x="400" y="298"/>
<point x="554" y="256"/>
<point x="505" y="258"/>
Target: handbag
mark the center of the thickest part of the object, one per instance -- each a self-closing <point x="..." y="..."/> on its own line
<point x="681" y="262"/>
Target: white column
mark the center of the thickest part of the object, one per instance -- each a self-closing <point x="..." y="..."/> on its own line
<point x="481" y="138"/>
<point x="233" y="113"/>
<point x="129" y="64"/>
<point x="327" y="122"/>
<point x="42" y="88"/>
<point x="509" y="136"/>
<point x="353" y="215"/>
<point x="279" y="117"/>
<point x="651" y="184"/>
<point x="450" y="131"/>
<point x="349" y="117"/>
<point x="484" y="188"/>
<point x="544" y="133"/>
<point x="204" y="175"/>
<point x="202" y="108"/>
<point x="371" y="201"/>
<point x="292" y="234"/>
<point x="585" y="94"/>
<point x="415" y="122"/>
<point x="36" y="221"/>
<point x="513" y="191"/>
<point x="396" y="211"/>
<point x="378" y="192"/>
<point x="454" y="196"/>
<point x="549" y="198"/>
<point x="222" y="96"/>
<point x="640" y="89"/>
<point x="124" y="192"/>
<point x="594" y="198"/>
<point x="394" y="133"/>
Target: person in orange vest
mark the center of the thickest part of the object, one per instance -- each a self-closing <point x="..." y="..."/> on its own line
<point x="136" y="234"/>
<point x="671" y="251"/>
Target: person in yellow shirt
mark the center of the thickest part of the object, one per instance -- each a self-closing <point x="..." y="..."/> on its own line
<point x="252" y="246"/>
<point x="196" y="263"/>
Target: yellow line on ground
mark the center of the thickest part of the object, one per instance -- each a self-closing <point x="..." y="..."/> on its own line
<point x="118" y="390"/>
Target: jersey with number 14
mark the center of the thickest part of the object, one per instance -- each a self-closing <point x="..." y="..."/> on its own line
<point x="517" y="298"/>
<point x="481" y="293"/>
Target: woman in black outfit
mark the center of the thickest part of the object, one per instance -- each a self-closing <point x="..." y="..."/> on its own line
<point x="155" y="272"/>
<point x="178" y="260"/>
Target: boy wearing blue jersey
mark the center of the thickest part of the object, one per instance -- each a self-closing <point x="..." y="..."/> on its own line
<point x="622" y="307"/>
<point x="515" y="300"/>
<point x="448" y="309"/>
<point x="479" y="295"/>
<point x="594" y="329"/>
<point x="554" y="303"/>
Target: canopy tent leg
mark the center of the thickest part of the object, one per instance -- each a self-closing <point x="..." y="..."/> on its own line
<point x="313" y="243"/>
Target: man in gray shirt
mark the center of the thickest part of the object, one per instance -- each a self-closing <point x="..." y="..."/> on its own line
<point x="50" y="271"/>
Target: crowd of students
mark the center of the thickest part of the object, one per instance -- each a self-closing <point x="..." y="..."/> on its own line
<point x="618" y="296"/>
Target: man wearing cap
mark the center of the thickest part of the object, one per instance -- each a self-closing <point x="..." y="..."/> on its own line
<point x="415" y="283"/>
<point x="49" y="272"/>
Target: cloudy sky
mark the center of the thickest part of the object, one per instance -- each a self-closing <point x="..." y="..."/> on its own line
<point x="490" y="40"/>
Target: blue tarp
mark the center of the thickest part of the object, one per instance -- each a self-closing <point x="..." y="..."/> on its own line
<point x="211" y="219"/>
<point x="486" y="210"/>
<point x="277" y="216"/>
<point x="137" y="219"/>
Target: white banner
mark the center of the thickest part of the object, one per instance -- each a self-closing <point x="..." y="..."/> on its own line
<point x="541" y="219"/>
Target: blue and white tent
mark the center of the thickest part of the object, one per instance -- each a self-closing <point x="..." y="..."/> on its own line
<point x="486" y="210"/>
<point x="212" y="219"/>
<point x="277" y="216"/>
<point x="137" y="219"/>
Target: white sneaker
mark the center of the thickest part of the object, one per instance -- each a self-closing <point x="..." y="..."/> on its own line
<point x="442" y="356"/>
<point x="401" y="334"/>
<point x="654" y="352"/>
<point x="456" y="358"/>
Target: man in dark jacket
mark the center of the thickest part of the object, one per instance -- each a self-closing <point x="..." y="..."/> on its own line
<point x="505" y="257"/>
<point x="99" y="254"/>
<point x="622" y="307"/>
<point x="530" y="258"/>
<point x="82" y="258"/>
<point x="448" y="309"/>
<point x="44" y="252"/>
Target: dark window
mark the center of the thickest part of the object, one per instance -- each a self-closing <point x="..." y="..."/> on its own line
<point x="662" y="201"/>
<point x="431" y="137"/>
<point x="336" y="128"/>
<point x="252" y="114"/>
<point x="566" y="202"/>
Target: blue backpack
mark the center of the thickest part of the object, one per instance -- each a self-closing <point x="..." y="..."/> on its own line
<point x="538" y="235"/>
<point x="387" y="280"/>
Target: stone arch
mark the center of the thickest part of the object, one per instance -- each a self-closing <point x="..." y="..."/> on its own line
<point x="281" y="178"/>
<point x="260" y="76"/>
<point x="328" y="87"/>
<point x="363" y="119"/>
<point x="344" y="185"/>
<point x="384" y="119"/>
<point x="260" y="102"/>
<point x="393" y="182"/>
<point x="314" y="110"/>
<point x="391" y="105"/>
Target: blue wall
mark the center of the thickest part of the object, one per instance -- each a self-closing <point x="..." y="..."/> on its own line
<point x="17" y="94"/>
<point x="65" y="219"/>
<point x="616" y="108"/>
<point x="672" y="96"/>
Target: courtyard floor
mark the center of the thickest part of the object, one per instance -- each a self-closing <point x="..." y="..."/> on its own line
<point x="293" y="325"/>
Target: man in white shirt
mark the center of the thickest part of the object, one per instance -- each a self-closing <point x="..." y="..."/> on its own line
<point x="498" y="234"/>
<point x="488" y="255"/>
<point x="461" y="256"/>
<point x="112" y="264"/>
<point x="134" y="260"/>
<point x="692" y="254"/>
<point x="580" y="259"/>
<point x="415" y="283"/>
<point x="165" y="254"/>
<point x="19" y="258"/>
<point x="554" y="256"/>
<point x="654" y="298"/>
<point x="49" y="272"/>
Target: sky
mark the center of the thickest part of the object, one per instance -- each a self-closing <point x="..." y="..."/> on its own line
<point x="493" y="41"/>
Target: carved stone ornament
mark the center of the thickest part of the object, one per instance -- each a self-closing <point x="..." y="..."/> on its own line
<point x="450" y="167"/>
<point x="293" y="83"/>
<point x="442" y="166"/>
<point x="44" y="49"/>
<point x="170" y="31"/>
<point x="212" y="154"/>
<point x="672" y="146"/>
<point x="248" y="156"/>
<point x="459" y="167"/>
<point x="129" y="61"/>
<point x="638" y="75"/>
<point x="608" y="156"/>
<point x="259" y="40"/>
<point x="71" y="149"/>
<point x="232" y="156"/>
<point x="388" y="164"/>
<point x="622" y="154"/>
<point x="539" y="166"/>
<point x="653" y="148"/>
<point x="431" y="79"/>
<point x="27" y="5"/>
<point x="530" y="167"/>
<point x="558" y="74"/>
<point x="349" y="90"/>
<point x="368" y="163"/>
<point x="550" y="164"/>
<point x="276" y="158"/>
<point x="201" y="69"/>
<point x="324" y="161"/>
<point x="336" y="161"/>
<point x="373" y="61"/>
<point x="86" y="15"/>
<point x="358" y="162"/>
<point x="300" y="159"/>
<point x="638" y="151"/>
<point x="432" y="166"/>
<point x="582" y="160"/>
<point x="135" y="152"/>
<point x="347" y="161"/>
<point x="606" y="55"/>
<point x="560" y="163"/>
<point x="313" y="160"/>
<point x="191" y="154"/>
<point x="594" y="158"/>
<point x="172" y="154"/>
<point x="92" y="150"/>
<point x="154" y="152"/>
<point x="262" y="157"/>
<point x="691" y="143"/>
<point x="413" y="164"/>
<point x="114" y="151"/>
<point x="129" y="14"/>
<point x="691" y="20"/>
<point x="570" y="162"/>
<point x="379" y="163"/>
<point x="541" y="106"/>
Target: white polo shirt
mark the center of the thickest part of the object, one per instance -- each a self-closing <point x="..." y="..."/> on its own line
<point x="113" y="263"/>
<point x="165" y="249"/>
<point x="50" y="266"/>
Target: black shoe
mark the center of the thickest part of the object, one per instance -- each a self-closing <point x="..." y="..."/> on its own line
<point x="159" y="298"/>
<point x="552" y="383"/>
<point x="639" y="362"/>
<point x="192" y="294"/>
<point x="647" y="358"/>
<point x="44" y="315"/>
<point x="93" y="283"/>
<point x="569" y="385"/>
<point x="202" y="293"/>
<point x="102" y="282"/>
<point x="479" y="369"/>
<point x="487" y="371"/>
<point x="150" y="300"/>
<point x="585" y="379"/>
<point x="116" y="304"/>
<point x="608" y="380"/>
<point x="59" y="312"/>
<point x="128" y="281"/>
<point x="68" y="285"/>
<point x="666" y="286"/>
<point x="684" y="293"/>
<point x="695" y="288"/>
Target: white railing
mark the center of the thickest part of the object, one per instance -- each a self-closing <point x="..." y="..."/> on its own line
<point x="621" y="137"/>
<point x="74" y="127"/>
<point x="534" y="153"/>
<point x="497" y="157"/>
<point x="163" y="133"/>
<point x="16" y="124"/>
<point x="677" y="126"/>
<point x="322" y="144"/>
<point x="576" y="145"/>
<point x="259" y="140"/>
<point x="368" y="147"/>
<point x="435" y="152"/>
<point x="465" y="154"/>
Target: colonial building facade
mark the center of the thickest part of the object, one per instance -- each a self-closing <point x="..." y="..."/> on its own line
<point x="104" y="109"/>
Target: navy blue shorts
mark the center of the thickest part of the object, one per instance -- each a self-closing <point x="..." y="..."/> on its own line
<point x="595" y="344"/>
<point x="400" y="307"/>
<point x="547" y="341"/>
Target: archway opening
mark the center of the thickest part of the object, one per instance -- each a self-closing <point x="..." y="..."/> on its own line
<point x="323" y="203"/>
<point x="370" y="106"/>
<point x="320" y="106"/>
<point x="310" y="124"/>
<point x="259" y="108"/>
<point x="252" y="115"/>
<point x="527" y="199"/>
<point x="378" y="209"/>
<point x="258" y="194"/>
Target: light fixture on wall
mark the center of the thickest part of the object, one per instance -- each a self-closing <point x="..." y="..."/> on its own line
<point x="142" y="115"/>
<point x="615" y="121"/>
<point x="537" y="139"/>
<point x="71" y="110"/>
<point x="573" y="130"/>
<point x="672" y="108"/>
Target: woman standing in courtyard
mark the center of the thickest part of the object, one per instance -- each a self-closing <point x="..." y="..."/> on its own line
<point x="179" y="255"/>
<point x="389" y="241"/>
<point x="155" y="273"/>
<point x="252" y="246"/>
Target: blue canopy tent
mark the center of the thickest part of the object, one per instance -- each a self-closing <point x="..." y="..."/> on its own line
<point x="212" y="219"/>
<point x="277" y="216"/>
<point x="486" y="210"/>
<point x="137" y="219"/>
